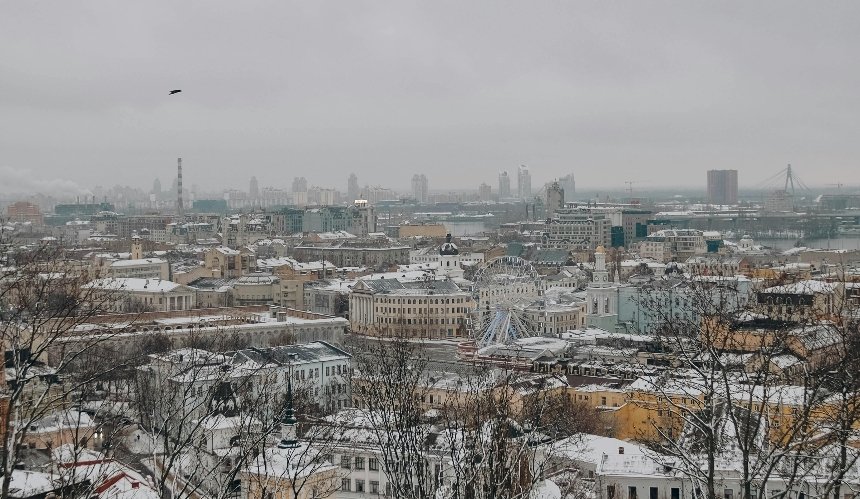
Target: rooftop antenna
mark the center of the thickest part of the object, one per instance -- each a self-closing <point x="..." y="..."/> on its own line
<point x="180" y="208"/>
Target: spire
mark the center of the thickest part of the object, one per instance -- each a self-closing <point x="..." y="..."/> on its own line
<point x="289" y="439"/>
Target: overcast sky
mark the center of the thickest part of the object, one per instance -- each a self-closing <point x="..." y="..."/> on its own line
<point x="653" y="92"/>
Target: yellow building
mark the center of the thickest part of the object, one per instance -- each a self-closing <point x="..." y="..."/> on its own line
<point x="228" y="262"/>
<point x="63" y="427"/>
<point x="278" y="478"/>
<point x="421" y="230"/>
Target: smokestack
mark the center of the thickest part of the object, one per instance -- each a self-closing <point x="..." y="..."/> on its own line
<point x="179" y="207"/>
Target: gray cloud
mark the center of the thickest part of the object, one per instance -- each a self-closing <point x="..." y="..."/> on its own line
<point x="25" y="181"/>
<point x="655" y="92"/>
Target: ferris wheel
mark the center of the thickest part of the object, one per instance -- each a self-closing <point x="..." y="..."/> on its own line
<point x="503" y="288"/>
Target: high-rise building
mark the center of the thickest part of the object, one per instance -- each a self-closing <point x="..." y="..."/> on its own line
<point x="419" y="188"/>
<point x="254" y="189"/>
<point x="504" y="185"/>
<point x="485" y="192"/>
<point x="723" y="186"/>
<point x="24" y="211"/>
<point x="300" y="184"/>
<point x="156" y="187"/>
<point x="577" y="229"/>
<point x="524" y="183"/>
<point x="554" y="198"/>
<point x="568" y="184"/>
<point x="352" y="190"/>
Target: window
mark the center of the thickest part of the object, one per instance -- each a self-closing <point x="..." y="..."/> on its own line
<point x="676" y="493"/>
<point x="653" y="493"/>
<point x="728" y="493"/>
<point x="344" y="484"/>
<point x="373" y="464"/>
<point x="359" y="463"/>
<point x="374" y="487"/>
<point x="359" y="485"/>
<point x="345" y="462"/>
<point x="631" y="493"/>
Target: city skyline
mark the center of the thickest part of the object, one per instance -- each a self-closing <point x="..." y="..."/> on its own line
<point x="412" y="87"/>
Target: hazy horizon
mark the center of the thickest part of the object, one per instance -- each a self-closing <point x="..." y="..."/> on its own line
<point x="656" y="93"/>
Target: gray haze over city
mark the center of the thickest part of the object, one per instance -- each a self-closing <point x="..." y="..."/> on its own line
<point x="651" y="92"/>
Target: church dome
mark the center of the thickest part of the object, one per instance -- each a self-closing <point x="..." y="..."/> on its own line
<point x="448" y="248"/>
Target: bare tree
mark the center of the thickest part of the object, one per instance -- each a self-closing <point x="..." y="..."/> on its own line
<point x="722" y="399"/>
<point x="44" y="301"/>
<point x="301" y="461"/>
<point x="460" y="432"/>
<point x="390" y="381"/>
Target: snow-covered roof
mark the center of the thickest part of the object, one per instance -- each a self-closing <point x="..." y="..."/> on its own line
<point x="31" y="483"/>
<point x="806" y="287"/>
<point x="591" y="448"/>
<point x="135" y="284"/>
<point x="61" y="420"/>
<point x="138" y="262"/>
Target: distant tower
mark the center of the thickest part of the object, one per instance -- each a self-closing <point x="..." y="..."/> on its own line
<point x="254" y="189"/>
<point x="156" y="187"/>
<point x="524" y="183"/>
<point x="485" y="192"/>
<point x="352" y="190"/>
<point x="568" y="183"/>
<point x="554" y="198"/>
<point x="136" y="247"/>
<point x="723" y="186"/>
<point x="504" y="185"/>
<point x="300" y="184"/>
<point x="419" y="187"/>
<point x="179" y="207"/>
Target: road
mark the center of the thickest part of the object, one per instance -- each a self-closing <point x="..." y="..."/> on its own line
<point x="435" y="350"/>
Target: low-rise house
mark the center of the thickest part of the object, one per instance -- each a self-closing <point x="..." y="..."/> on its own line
<point x="801" y="300"/>
<point x="62" y="427"/>
<point x="98" y="475"/>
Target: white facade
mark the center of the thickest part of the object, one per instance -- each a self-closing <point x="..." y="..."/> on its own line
<point x="128" y="294"/>
<point x="601" y="294"/>
<point x="577" y="229"/>
<point x="143" y="268"/>
<point x="673" y="244"/>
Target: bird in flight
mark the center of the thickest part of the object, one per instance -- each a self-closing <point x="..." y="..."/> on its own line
<point x="174" y="92"/>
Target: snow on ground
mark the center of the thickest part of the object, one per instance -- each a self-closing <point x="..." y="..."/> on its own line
<point x="138" y="441"/>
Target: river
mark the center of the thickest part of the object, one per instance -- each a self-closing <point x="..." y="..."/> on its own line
<point x="842" y="242"/>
